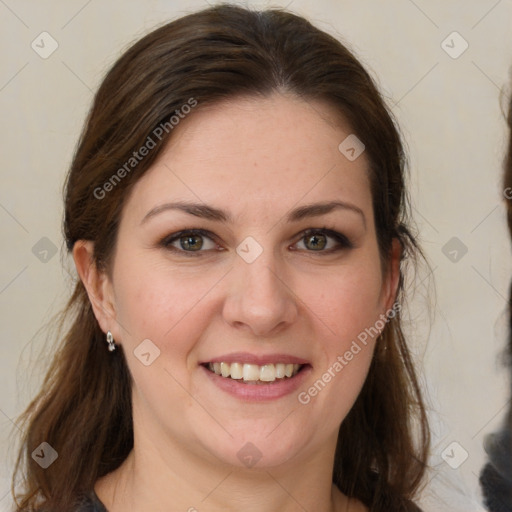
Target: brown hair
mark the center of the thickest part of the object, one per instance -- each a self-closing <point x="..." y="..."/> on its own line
<point x="84" y="408"/>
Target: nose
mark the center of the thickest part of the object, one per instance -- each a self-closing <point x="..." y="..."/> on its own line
<point x="260" y="298"/>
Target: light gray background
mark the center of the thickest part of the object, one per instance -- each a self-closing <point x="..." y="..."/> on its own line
<point x="450" y="113"/>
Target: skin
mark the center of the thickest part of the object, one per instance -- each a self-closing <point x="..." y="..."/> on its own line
<point x="257" y="159"/>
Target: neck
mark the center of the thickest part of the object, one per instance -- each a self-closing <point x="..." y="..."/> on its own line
<point x="162" y="476"/>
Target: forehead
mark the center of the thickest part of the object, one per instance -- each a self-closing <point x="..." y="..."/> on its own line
<point x="268" y="153"/>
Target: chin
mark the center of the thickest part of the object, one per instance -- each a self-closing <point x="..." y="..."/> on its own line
<point x="258" y="449"/>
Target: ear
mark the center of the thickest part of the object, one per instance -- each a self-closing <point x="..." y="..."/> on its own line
<point x="392" y="277"/>
<point x="98" y="286"/>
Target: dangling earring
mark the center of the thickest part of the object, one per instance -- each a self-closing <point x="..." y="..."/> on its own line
<point x="110" y="341"/>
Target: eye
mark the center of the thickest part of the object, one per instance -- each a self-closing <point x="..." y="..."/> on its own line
<point x="189" y="241"/>
<point x="317" y="240"/>
<point x="192" y="241"/>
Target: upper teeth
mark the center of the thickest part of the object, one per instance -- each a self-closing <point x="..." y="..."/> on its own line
<point x="254" y="372"/>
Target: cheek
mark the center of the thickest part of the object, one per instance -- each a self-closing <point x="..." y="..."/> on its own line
<point x="154" y="303"/>
<point x="171" y="307"/>
<point x="347" y="312"/>
<point x="165" y="309"/>
<point x="347" y="302"/>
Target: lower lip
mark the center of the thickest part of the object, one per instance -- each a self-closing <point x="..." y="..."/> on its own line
<point x="259" y="392"/>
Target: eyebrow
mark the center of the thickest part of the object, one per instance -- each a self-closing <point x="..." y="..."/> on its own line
<point x="211" y="213"/>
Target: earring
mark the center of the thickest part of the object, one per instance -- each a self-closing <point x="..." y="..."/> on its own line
<point x="110" y="341"/>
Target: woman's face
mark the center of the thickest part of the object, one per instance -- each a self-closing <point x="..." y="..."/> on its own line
<point x="252" y="290"/>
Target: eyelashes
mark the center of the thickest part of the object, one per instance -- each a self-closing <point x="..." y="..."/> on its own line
<point x="341" y="239"/>
<point x="187" y="239"/>
<point x="190" y="242"/>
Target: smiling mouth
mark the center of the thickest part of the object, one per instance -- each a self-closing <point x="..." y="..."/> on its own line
<point x="255" y="374"/>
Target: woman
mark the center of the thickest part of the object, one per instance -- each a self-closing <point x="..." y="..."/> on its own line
<point x="236" y="213"/>
<point x="496" y="475"/>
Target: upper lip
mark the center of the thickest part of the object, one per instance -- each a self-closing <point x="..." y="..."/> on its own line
<point x="260" y="359"/>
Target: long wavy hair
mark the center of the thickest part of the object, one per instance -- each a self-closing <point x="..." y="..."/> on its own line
<point x="84" y="407"/>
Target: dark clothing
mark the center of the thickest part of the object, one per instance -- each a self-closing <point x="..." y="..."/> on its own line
<point x="496" y="476"/>
<point x="90" y="503"/>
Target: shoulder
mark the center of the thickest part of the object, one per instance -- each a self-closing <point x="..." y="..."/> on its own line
<point x="85" y="502"/>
